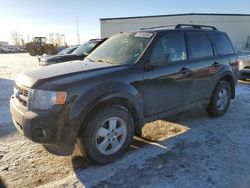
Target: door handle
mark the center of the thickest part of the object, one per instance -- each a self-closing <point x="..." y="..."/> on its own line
<point x="216" y="64"/>
<point x="185" y="71"/>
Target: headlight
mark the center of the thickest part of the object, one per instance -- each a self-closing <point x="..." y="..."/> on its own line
<point x="43" y="99"/>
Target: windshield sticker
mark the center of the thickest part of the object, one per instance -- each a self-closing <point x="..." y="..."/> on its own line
<point x="143" y="35"/>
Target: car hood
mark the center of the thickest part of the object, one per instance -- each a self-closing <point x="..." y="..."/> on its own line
<point x="30" y="78"/>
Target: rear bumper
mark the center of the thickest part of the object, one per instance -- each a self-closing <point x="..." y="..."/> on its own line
<point x="244" y="74"/>
<point x="47" y="128"/>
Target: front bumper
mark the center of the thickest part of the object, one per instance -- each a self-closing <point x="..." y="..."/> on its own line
<point x="44" y="127"/>
<point x="43" y="63"/>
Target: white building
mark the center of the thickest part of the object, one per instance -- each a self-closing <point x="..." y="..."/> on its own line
<point x="3" y="43"/>
<point x="237" y="26"/>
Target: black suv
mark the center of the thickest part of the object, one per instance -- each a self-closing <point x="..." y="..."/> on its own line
<point x="130" y="79"/>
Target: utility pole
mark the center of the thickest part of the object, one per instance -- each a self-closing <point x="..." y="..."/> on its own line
<point x="64" y="42"/>
<point x="77" y="32"/>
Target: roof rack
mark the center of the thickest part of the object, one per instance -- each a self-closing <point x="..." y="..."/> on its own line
<point x="180" y="26"/>
<point x="156" y="27"/>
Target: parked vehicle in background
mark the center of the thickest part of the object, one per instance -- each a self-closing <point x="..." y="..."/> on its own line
<point x="129" y="80"/>
<point x="39" y="46"/>
<point x="78" y="54"/>
<point x="68" y="50"/>
<point x="244" y="66"/>
<point x="12" y="49"/>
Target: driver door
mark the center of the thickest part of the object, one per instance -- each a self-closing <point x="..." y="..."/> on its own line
<point x="167" y="75"/>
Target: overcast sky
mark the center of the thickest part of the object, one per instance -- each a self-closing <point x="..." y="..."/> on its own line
<point x="38" y="18"/>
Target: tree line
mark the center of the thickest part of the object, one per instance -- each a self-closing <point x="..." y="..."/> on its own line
<point x="53" y="38"/>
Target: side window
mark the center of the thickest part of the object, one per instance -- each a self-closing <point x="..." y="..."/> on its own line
<point x="200" y="46"/>
<point x="223" y="45"/>
<point x="170" y="48"/>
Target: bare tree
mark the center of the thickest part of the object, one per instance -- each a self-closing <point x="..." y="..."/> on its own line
<point x="57" y="38"/>
<point x="17" y="38"/>
<point x="52" y="38"/>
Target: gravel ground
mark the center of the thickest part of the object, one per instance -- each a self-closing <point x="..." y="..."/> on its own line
<point x="188" y="150"/>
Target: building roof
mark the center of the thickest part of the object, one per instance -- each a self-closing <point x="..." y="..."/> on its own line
<point x="169" y="15"/>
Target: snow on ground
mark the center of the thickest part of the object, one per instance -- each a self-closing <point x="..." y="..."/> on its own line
<point x="193" y="149"/>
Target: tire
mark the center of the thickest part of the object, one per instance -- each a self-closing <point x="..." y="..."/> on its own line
<point x="49" y="51"/>
<point x="220" y="99"/>
<point x="107" y="135"/>
<point x="40" y="52"/>
<point x="32" y="52"/>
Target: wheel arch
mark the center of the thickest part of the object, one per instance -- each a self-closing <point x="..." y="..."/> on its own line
<point x="229" y="78"/>
<point x="115" y="99"/>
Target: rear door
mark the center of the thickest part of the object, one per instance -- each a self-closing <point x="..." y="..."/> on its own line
<point x="204" y="64"/>
<point x="225" y="51"/>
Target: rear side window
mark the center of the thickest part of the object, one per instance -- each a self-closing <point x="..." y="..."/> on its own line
<point x="222" y="43"/>
<point x="200" y="46"/>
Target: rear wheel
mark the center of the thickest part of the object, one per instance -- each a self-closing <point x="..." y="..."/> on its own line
<point x="32" y="52"/>
<point x="49" y="51"/>
<point x="108" y="135"/>
<point x="220" y="99"/>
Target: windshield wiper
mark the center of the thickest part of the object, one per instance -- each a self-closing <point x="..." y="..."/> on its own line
<point x="99" y="60"/>
<point x="102" y="61"/>
<point x="89" y="59"/>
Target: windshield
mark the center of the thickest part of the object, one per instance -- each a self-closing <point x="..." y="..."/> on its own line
<point x="67" y="51"/>
<point x="85" y="48"/>
<point x="123" y="48"/>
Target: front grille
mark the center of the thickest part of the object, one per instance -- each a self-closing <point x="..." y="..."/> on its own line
<point x="21" y="95"/>
<point x="23" y="91"/>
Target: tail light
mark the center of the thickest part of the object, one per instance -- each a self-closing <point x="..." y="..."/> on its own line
<point x="237" y="64"/>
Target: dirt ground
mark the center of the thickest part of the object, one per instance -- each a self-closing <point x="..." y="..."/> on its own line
<point x="187" y="150"/>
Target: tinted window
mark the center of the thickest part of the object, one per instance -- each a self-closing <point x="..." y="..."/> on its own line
<point x="170" y="48"/>
<point x="222" y="43"/>
<point x="200" y="46"/>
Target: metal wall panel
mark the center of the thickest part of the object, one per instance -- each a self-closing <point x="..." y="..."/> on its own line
<point x="237" y="27"/>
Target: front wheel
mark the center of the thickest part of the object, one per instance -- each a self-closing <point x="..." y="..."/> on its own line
<point x="49" y="51"/>
<point x="108" y="135"/>
<point x="220" y="99"/>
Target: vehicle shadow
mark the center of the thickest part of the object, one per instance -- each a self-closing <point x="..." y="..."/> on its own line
<point x="2" y="184"/>
<point x="155" y="134"/>
<point x="6" y="125"/>
<point x="80" y="162"/>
